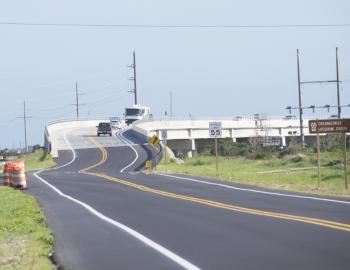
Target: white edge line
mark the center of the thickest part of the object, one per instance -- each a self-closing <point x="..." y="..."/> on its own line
<point x="254" y="190"/>
<point x="127" y="142"/>
<point x="172" y="256"/>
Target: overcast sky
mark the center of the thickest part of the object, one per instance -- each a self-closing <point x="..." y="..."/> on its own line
<point x="210" y="71"/>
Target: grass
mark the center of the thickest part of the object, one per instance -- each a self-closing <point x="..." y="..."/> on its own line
<point x="274" y="173"/>
<point x="37" y="160"/>
<point x="25" y="240"/>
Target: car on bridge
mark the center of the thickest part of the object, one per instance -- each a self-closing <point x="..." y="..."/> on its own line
<point x="104" y="128"/>
<point x="116" y="122"/>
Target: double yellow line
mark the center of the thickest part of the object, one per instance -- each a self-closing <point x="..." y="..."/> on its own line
<point x="230" y="207"/>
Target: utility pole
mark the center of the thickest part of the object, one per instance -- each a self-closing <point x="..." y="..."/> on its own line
<point x="133" y="66"/>
<point x="25" y="117"/>
<point x="171" y="103"/>
<point x="25" y="126"/>
<point x="338" y="94"/>
<point x="300" y="105"/>
<point x="77" y="104"/>
<point x="77" y="98"/>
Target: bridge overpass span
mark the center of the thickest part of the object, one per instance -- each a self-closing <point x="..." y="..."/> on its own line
<point x="192" y="134"/>
<point x="189" y="135"/>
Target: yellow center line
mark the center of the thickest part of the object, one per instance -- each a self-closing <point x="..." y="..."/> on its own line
<point x="230" y="207"/>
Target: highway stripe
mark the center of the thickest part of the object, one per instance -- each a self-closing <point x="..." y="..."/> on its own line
<point x="147" y="241"/>
<point x="314" y="221"/>
<point x="254" y="190"/>
<point x="128" y="142"/>
<point x="122" y="138"/>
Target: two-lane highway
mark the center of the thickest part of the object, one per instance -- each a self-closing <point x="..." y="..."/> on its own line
<point x="107" y="214"/>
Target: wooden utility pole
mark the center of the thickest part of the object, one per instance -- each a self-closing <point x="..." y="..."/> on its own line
<point x="338" y="93"/>
<point x="216" y="156"/>
<point x="171" y="103"/>
<point x="77" y="99"/>
<point x="300" y="104"/>
<point x="133" y="66"/>
<point x="25" y="126"/>
<point x="318" y="160"/>
<point x="25" y="117"/>
<point x="345" y="162"/>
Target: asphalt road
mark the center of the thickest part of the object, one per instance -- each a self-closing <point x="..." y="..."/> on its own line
<point x="112" y="216"/>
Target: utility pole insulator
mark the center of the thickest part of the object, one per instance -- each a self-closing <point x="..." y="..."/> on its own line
<point x="133" y="66"/>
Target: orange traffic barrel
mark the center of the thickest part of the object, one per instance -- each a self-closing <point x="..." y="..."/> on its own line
<point x="18" y="177"/>
<point x="7" y="173"/>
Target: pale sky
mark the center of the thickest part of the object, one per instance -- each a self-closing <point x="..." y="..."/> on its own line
<point x="211" y="72"/>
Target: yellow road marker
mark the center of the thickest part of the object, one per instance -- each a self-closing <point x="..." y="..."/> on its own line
<point x="230" y="207"/>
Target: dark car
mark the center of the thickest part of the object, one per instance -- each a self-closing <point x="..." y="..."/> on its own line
<point x="104" y="128"/>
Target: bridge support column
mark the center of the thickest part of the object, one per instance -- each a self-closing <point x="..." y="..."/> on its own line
<point x="193" y="150"/>
<point x="284" y="141"/>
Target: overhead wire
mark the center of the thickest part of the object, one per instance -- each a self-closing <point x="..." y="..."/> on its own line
<point x="108" y="97"/>
<point x="9" y="122"/>
<point x="173" y="26"/>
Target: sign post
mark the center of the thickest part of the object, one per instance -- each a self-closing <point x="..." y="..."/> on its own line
<point x="164" y="134"/>
<point x="154" y="140"/>
<point x="149" y="165"/>
<point x="318" y="160"/>
<point x="215" y="131"/>
<point x="345" y="163"/>
<point x="332" y="126"/>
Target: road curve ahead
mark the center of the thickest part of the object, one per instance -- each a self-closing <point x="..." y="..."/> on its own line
<point x="106" y="213"/>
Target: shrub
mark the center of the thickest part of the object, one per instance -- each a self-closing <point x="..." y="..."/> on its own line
<point x="293" y="148"/>
<point x="180" y="154"/>
<point x="334" y="162"/>
<point x="260" y="154"/>
<point x="199" y="162"/>
<point x="207" y="152"/>
<point x="298" y="158"/>
<point x="229" y="148"/>
<point x="330" y="142"/>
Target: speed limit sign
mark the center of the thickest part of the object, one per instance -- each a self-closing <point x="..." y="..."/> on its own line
<point x="215" y="129"/>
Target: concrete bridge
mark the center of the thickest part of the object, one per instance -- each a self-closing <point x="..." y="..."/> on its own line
<point x="189" y="135"/>
<point x="192" y="134"/>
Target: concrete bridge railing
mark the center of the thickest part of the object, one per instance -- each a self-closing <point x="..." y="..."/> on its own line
<point x="55" y="131"/>
<point x="191" y="134"/>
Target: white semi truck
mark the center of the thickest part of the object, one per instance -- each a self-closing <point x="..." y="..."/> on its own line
<point x="136" y="112"/>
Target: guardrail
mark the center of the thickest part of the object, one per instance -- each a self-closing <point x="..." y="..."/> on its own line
<point x="216" y="118"/>
<point x="47" y="135"/>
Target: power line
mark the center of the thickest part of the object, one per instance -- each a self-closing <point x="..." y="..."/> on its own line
<point x="173" y="26"/>
<point x="107" y="97"/>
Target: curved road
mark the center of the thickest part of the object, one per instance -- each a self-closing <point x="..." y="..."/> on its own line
<point x="107" y="214"/>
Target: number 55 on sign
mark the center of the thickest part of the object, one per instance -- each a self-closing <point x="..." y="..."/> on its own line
<point x="215" y="129"/>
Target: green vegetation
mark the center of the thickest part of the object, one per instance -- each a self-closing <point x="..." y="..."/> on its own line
<point x="40" y="159"/>
<point x="291" y="168"/>
<point x="25" y="240"/>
